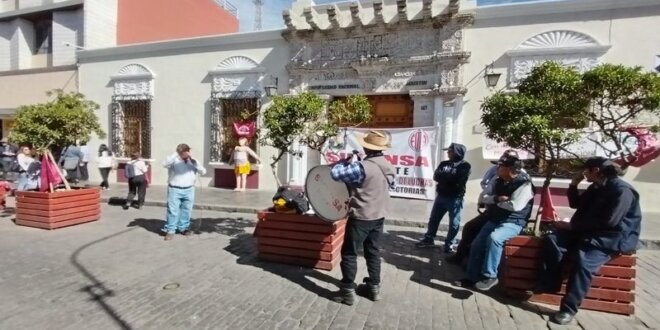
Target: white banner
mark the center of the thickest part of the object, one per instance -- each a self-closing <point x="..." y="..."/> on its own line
<point x="413" y="155"/>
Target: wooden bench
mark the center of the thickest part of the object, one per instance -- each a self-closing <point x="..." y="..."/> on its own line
<point x="612" y="289"/>
<point x="303" y="240"/>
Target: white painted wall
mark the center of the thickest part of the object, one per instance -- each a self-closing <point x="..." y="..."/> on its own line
<point x="22" y="44"/>
<point x="100" y="26"/>
<point x="6" y="33"/>
<point x="67" y="28"/>
<point x="628" y="31"/>
<point x="180" y="108"/>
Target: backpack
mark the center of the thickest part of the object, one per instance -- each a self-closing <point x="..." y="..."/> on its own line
<point x="286" y="198"/>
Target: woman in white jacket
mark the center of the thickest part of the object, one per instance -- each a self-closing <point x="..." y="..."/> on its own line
<point x="105" y="163"/>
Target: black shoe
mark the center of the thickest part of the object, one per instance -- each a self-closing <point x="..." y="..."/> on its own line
<point x="487" y="284"/>
<point x="464" y="283"/>
<point x="346" y="295"/>
<point x="369" y="290"/>
<point x="126" y="206"/>
<point x="424" y="243"/>
<point x="563" y="318"/>
<point x="454" y="259"/>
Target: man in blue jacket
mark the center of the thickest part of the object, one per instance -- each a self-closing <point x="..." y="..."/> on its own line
<point x="607" y="221"/>
<point x="451" y="177"/>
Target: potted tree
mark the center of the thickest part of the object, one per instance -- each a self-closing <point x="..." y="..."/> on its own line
<point x="306" y="119"/>
<point x="554" y="108"/>
<point x="48" y="128"/>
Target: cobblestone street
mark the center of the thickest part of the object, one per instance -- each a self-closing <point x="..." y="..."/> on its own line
<point x="119" y="274"/>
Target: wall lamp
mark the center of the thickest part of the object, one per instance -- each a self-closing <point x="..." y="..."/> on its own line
<point x="491" y="77"/>
<point x="271" y="89"/>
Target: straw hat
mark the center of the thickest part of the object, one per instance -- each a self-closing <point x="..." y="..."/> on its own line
<point x="374" y="141"/>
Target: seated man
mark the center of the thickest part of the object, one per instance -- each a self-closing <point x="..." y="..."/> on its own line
<point x="607" y="221"/>
<point x="509" y="201"/>
<point x="471" y="228"/>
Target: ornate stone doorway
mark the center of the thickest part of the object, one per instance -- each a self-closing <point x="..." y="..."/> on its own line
<point x="391" y="111"/>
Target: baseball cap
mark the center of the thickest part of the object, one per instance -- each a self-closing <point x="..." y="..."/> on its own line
<point x="509" y="161"/>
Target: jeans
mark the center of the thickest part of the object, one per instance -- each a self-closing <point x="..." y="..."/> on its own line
<point x="366" y="234"/>
<point x="84" y="173"/>
<point x="105" y="172"/>
<point x="588" y="261"/>
<point x="470" y="231"/>
<point x="442" y="205"/>
<point x="136" y="184"/>
<point x="486" y="250"/>
<point x="179" y="207"/>
<point x="25" y="182"/>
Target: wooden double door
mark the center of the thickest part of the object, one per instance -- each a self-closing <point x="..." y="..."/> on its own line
<point x="390" y="111"/>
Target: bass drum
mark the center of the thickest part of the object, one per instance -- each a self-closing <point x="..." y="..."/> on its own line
<point x="328" y="198"/>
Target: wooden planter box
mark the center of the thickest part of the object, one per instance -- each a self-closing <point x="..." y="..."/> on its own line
<point x="58" y="209"/>
<point x="612" y="289"/>
<point x="303" y="240"/>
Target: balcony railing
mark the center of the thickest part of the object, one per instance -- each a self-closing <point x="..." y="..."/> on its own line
<point x="228" y="6"/>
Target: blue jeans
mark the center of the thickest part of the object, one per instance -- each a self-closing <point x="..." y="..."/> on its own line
<point x="25" y="182"/>
<point x="486" y="250"/>
<point x="441" y="206"/>
<point x="179" y="207"/>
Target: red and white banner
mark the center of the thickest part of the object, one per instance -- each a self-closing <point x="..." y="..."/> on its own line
<point x="413" y="154"/>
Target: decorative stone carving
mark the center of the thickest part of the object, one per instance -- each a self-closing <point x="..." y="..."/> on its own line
<point x="133" y="82"/>
<point x="570" y="48"/>
<point x="237" y="76"/>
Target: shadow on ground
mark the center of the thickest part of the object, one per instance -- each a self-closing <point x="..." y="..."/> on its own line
<point x="223" y="226"/>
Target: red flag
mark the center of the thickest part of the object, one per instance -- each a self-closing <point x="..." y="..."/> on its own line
<point x="548" y="212"/>
<point x="50" y="174"/>
<point x="245" y="128"/>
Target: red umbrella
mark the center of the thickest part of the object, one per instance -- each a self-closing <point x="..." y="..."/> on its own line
<point x="50" y="175"/>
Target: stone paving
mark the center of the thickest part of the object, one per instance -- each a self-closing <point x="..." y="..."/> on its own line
<point x="402" y="212"/>
<point x="118" y="273"/>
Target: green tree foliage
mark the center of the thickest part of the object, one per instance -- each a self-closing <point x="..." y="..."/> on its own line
<point x="58" y="123"/>
<point x="620" y="96"/>
<point x="535" y="118"/>
<point x="306" y="119"/>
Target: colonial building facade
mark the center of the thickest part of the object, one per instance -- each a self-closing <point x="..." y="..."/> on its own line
<point x="420" y="62"/>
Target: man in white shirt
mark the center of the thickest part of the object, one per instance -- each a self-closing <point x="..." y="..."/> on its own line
<point x="182" y="169"/>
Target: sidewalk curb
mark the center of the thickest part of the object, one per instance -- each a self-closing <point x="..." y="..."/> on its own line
<point x="646" y="244"/>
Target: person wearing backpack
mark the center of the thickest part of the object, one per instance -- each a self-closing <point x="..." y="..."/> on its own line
<point x="136" y="171"/>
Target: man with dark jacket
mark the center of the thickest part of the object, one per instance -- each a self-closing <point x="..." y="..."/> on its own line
<point x="451" y="177"/>
<point x="509" y="200"/>
<point x="607" y="221"/>
<point x="369" y="182"/>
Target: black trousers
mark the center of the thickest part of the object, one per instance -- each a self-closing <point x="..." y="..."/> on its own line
<point x="470" y="231"/>
<point x="365" y="233"/>
<point x="588" y="260"/>
<point x="105" y="172"/>
<point x="84" y="172"/>
<point x="136" y="184"/>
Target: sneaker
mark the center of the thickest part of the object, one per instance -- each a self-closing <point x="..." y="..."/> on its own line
<point x="487" y="284"/>
<point x="563" y="318"/>
<point x="126" y="206"/>
<point x="187" y="232"/>
<point x="449" y="249"/>
<point x="424" y="243"/>
<point x="169" y="236"/>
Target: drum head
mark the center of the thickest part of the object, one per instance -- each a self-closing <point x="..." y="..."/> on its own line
<point x="328" y="198"/>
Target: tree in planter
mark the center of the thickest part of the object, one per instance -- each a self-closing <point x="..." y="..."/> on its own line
<point x="535" y="118"/>
<point x="49" y="127"/>
<point x="621" y="96"/>
<point x="58" y="123"/>
<point x="305" y="119"/>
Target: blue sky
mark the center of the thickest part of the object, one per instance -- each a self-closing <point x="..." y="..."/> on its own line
<point x="272" y="11"/>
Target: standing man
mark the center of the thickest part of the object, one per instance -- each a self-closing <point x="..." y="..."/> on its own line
<point x="451" y="177"/>
<point x="182" y="170"/>
<point x="369" y="181"/>
<point x="606" y="222"/>
<point x="7" y="156"/>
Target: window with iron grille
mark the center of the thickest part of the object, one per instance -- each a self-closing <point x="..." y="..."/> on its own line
<point x="131" y="130"/>
<point x="224" y="113"/>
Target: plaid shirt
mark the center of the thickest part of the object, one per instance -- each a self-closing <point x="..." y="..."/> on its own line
<point x="352" y="173"/>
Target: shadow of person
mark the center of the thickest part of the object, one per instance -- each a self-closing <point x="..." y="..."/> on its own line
<point x="244" y="246"/>
<point x="398" y="249"/>
<point x="223" y="226"/>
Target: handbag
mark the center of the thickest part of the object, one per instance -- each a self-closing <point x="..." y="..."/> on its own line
<point x="71" y="163"/>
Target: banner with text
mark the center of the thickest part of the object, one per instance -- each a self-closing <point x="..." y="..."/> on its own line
<point x="413" y="155"/>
